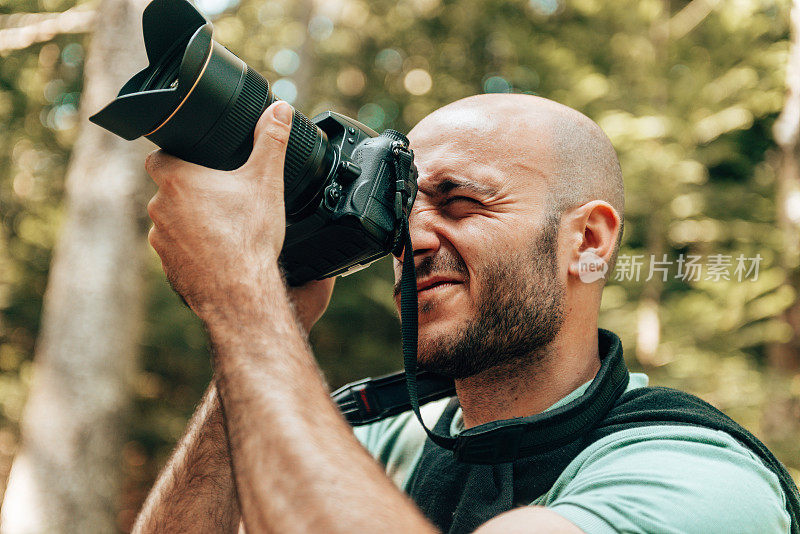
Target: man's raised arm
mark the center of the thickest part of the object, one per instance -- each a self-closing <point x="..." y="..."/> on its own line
<point x="297" y="466"/>
<point x="195" y="491"/>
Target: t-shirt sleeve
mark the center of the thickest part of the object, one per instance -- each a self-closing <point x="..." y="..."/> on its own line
<point x="670" y="479"/>
<point x="397" y="441"/>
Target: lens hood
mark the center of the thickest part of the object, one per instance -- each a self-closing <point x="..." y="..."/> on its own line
<point x="175" y="33"/>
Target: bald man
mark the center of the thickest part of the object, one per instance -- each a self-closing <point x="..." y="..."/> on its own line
<point x="515" y="192"/>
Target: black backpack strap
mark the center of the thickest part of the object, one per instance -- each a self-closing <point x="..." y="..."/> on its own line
<point x="659" y="406"/>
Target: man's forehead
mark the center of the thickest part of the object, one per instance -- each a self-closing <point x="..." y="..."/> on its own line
<point x="466" y="127"/>
<point x="517" y="119"/>
<point x="471" y="143"/>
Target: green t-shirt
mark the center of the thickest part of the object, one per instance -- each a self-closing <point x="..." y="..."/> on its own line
<point x="660" y="478"/>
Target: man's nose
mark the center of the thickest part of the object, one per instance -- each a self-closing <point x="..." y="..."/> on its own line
<point x="423" y="229"/>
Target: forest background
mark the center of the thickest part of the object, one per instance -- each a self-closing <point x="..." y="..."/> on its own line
<point x="100" y="363"/>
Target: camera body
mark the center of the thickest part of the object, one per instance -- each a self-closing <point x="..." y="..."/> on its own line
<point x="355" y="217"/>
<point x="347" y="190"/>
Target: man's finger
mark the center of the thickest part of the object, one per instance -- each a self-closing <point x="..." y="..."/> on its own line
<point x="162" y="166"/>
<point x="154" y="239"/>
<point x="270" y="139"/>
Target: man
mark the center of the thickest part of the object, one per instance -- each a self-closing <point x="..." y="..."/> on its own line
<point x="515" y="192"/>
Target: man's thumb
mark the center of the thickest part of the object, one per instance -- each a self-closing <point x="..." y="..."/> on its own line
<point x="271" y="137"/>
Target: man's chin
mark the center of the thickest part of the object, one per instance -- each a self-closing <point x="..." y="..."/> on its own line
<point x="437" y="340"/>
<point x="438" y="366"/>
<point x="438" y="329"/>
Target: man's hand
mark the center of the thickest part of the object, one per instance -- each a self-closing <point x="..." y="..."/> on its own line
<point x="310" y="301"/>
<point x="216" y="231"/>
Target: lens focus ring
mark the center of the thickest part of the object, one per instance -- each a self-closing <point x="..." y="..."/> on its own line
<point x="302" y="139"/>
<point x="235" y="132"/>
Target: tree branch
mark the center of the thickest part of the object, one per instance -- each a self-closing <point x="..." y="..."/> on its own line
<point x="21" y="30"/>
<point x="690" y="16"/>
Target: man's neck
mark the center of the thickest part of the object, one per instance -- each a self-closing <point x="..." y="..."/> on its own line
<point x="520" y="389"/>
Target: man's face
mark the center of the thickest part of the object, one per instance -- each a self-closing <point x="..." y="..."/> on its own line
<point x="486" y="249"/>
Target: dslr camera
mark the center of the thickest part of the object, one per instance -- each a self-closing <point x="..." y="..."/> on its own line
<point x="348" y="191"/>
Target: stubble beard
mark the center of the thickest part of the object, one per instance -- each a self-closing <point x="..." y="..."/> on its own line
<point x="520" y="310"/>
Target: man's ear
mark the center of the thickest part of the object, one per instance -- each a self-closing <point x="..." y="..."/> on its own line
<point x="592" y="229"/>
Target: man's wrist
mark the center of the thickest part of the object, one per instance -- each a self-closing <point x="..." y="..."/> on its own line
<point x="245" y="299"/>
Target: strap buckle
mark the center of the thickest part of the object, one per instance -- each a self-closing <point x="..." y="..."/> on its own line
<point x="488" y="447"/>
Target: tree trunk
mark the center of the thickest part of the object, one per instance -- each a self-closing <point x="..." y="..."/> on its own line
<point x="303" y="11"/>
<point x="786" y="356"/>
<point x="648" y="315"/>
<point x="66" y="476"/>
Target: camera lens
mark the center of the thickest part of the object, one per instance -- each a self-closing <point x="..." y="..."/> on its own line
<point x="222" y="107"/>
<point x="201" y="103"/>
<point x="166" y="75"/>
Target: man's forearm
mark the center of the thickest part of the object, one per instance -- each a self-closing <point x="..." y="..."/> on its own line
<point x="195" y="492"/>
<point x="297" y="465"/>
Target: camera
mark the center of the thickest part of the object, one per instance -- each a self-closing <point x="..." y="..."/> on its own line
<point x="347" y="190"/>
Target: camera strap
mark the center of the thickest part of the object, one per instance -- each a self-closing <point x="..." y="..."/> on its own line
<point x="409" y="316"/>
<point x="402" y="163"/>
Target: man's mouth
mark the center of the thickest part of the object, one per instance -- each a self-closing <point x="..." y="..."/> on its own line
<point x="434" y="282"/>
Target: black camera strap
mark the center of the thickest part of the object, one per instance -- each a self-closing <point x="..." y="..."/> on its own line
<point x="409" y="309"/>
<point x="409" y="315"/>
<point x="371" y="399"/>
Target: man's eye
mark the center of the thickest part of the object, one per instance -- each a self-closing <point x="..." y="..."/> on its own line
<point x="451" y="200"/>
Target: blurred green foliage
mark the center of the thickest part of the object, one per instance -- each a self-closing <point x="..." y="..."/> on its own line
<point x="688" y="102"/>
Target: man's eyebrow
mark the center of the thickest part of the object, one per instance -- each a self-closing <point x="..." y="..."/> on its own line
<point x="450" y="184"/>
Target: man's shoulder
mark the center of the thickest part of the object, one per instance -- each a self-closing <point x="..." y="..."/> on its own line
<point x="673" y="456"/>
<point x="682" y="478"/>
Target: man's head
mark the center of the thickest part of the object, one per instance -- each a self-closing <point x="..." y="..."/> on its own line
<point x="514" y="190"/>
